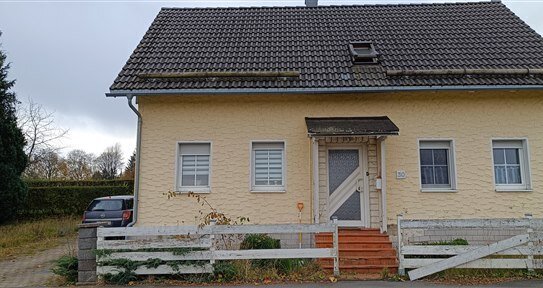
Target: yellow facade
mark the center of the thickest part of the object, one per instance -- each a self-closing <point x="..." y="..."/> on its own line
<point x="231" y="122"/>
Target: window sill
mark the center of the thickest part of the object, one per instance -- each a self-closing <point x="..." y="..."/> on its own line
<point x="512" y="190"/>
<point x="268" y="191"/>
<point x="196" y="191"/>
<point x="430" y="190"/>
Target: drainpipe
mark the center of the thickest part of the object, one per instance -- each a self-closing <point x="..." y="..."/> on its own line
<point x="315" y="170"/>
<point x="137" y="170"/>
<point x="383" y="185"/>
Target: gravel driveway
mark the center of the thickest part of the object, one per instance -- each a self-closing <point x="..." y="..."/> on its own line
<point x="33" y="270"/>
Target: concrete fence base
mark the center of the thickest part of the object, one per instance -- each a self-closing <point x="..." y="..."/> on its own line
<point x="86" y="257"/>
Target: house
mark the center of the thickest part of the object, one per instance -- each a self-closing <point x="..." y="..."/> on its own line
<point x="356" y="112"/>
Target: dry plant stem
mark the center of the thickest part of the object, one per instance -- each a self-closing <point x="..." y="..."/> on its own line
<point x="214" y="215"/>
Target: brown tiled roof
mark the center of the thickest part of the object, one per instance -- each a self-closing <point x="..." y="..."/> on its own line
<point x="314" y="42"/>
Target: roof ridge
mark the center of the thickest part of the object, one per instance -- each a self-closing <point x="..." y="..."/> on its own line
<point x="493" y="2"/>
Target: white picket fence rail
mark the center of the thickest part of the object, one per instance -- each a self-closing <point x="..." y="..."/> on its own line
<point x="202" y="238"/>
<point x="516" y="252"/>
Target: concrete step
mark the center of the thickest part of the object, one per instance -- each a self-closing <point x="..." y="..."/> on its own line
<point x="352" y="237"/>
<point x="356" y="244"/>
<point x="362" y="261"/>
<point x="366" y="269"/>
<point x="362" y="252"/>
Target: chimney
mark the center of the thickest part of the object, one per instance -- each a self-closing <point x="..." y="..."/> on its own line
<point x="311" y="3"/>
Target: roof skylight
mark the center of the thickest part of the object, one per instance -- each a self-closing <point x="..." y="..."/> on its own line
<point x="363" y="52"/>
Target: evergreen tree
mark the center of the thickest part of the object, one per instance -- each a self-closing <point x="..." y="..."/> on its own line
<point x="130" y="169"/>
<point x="12" y="157"/>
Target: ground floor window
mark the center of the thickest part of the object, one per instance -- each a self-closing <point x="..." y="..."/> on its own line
<point x="511" y="167"/>
<point x="194" y="167"/>
<point x="268" y="166"/>
<point x="437" y="165"/>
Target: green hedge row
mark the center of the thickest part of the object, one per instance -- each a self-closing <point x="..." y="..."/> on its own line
<point x="63" y="183"/>
<point x="66" y="200"/>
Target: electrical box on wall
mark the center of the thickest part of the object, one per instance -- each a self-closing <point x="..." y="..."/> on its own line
<point x="378" y="183"/>
<point x="401" y="174"/>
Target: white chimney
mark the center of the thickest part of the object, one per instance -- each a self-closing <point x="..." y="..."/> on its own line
<point x="311" y="3"/>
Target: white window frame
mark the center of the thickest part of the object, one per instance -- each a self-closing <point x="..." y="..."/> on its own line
<point x="267" y="188"/>
<point x="524" y="160"/>
<point x="178" y="177"/>
<point x="439" y="143"/>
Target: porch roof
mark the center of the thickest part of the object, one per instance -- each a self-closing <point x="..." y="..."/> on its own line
<point x="351" y="126"/>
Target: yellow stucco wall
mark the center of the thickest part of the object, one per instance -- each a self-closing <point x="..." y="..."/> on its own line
<point x="231" y="122"/>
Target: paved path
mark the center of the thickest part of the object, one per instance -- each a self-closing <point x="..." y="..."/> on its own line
<point x="33" y="270"/>
<point x="367" y="284"/>
<point x="389" y="284"/>
<point x="362" y="284"/>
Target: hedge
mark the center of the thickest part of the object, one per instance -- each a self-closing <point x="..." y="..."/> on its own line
<point x="58" y="200"/>
<point x="63" y="183"/>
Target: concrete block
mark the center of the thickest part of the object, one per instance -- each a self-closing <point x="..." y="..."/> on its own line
<point x="86" y="243"/>
<point x="87" y="233"/>
<point x="86" y="265"/>
<point x="86" y="277"/>
<point x="86" y="255"/>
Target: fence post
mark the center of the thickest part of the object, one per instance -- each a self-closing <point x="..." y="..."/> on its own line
<point x="335" y="236"/>
<point x="401" y="270"/>
<point x="86" y="257"/>
<point x="212" y="222"/>
<point x="530" y="230"/>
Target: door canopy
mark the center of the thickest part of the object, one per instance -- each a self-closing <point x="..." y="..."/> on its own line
<point x="351" y="126"/>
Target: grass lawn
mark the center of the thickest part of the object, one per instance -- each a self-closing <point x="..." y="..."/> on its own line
<point x="28" y="237"/>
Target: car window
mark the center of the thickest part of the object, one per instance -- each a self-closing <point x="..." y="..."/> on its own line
<point x="106" y="205"/>
<point x="129" y="204"/>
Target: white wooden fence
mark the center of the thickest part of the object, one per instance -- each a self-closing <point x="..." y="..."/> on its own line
<point x="202" y="238"/>
<point x="516" y="252"/>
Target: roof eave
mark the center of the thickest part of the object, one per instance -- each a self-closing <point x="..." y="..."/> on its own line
<point x="332" y="90"/>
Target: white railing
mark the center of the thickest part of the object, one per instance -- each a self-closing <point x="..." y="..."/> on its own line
<point x="199" y="243"/>
<point x="516" y="252"/>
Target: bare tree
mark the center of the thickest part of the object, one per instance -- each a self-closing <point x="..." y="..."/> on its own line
<point x="110" y="163"/>
<point x="48" y="165"/>
<point x="39" y="129"/>
<point x="79" y="165"/>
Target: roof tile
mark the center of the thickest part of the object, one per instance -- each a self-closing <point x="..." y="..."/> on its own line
<point x="314" y="41"/>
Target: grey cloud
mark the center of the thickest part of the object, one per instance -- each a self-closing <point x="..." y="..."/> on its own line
<point x="65" y="55"/>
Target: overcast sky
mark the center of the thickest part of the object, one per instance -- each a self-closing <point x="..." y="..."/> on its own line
<point x="65" y="55"/>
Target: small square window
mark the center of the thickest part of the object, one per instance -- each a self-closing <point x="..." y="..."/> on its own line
<point x="268" y="166"/>
<point x="194" y="167"/>
<point x="363" y="52"/>
<point x="437" y="165"/>
<point x="511" y="167"/>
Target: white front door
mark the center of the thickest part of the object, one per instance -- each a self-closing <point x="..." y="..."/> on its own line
<point x="347" y="183"/>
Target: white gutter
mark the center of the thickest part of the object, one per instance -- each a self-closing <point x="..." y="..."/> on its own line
<point x="137" y="168"/>
<point x="155" y="92"/>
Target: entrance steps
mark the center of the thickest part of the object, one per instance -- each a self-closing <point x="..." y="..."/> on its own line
<point x="365" y="253"/>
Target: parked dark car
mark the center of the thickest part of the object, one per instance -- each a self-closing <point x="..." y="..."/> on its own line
<point x="117" y="210"/>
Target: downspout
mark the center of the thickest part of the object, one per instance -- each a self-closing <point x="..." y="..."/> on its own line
<point x="137" y="170"/>
<point x="383" y="185"/>
<point x="315" y="170"/>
